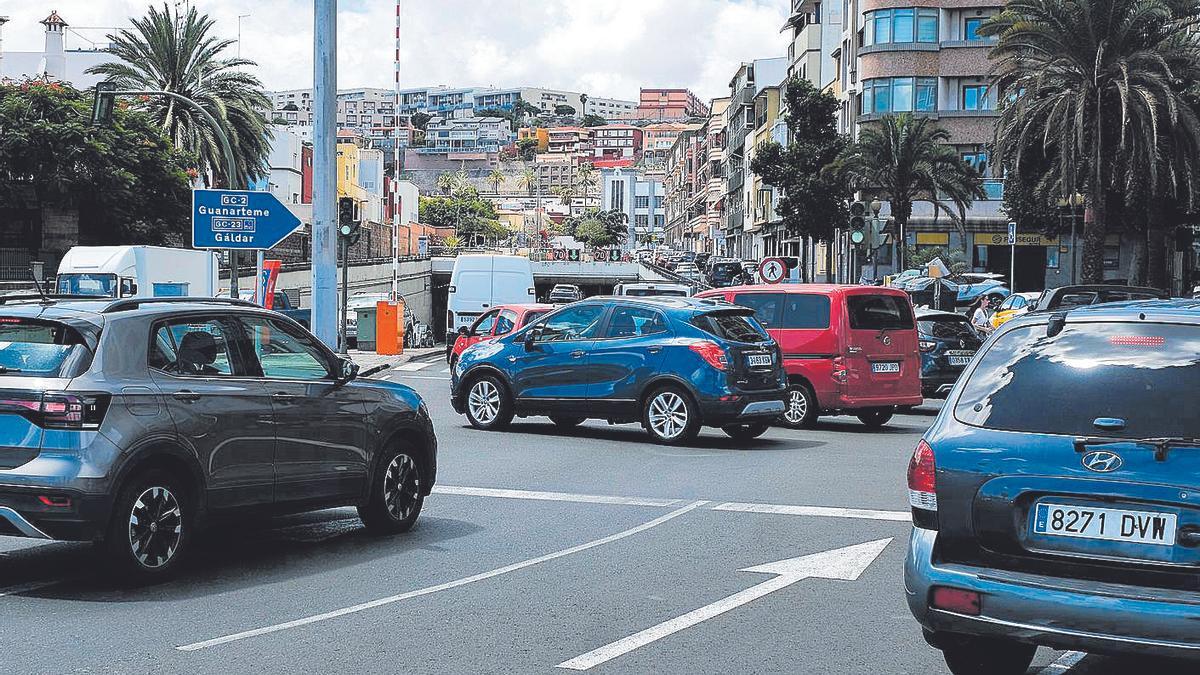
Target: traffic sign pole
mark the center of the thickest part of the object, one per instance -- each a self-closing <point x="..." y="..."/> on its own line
<point x="1012" y="263"/>
<point x="324" y="235"/>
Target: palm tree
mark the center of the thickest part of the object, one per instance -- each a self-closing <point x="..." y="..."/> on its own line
<point x="1099" y="84"/>
<point x="174" y="52"/>
<point x="496" y="178"/>
<point x="566" y="194"/>
<point x="527" y="180"/>
<point x="906" y="159"/>
<point x="585" y="178"/>
<point x="446" y="183"/>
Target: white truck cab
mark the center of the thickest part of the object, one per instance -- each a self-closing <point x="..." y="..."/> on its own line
<point x="137" y="271"/>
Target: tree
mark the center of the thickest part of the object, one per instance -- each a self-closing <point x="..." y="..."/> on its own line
<point x="126" y="181"/>
<point x="597" y="228"/>
<point x="464" y="211"/>
<point x="419" y="120"/>
<point x="279" y="122"/>
<point x="291" y="107"/>
<point x="527" y="149"/>
<point x="564" y="109"/>
<point x="814" y="200"/>
<point x="446" y="183"/>
<point x="907" y="159"/>
<point x="566" y="194"/>
<point x="523" y="108"/>
<point x="586" y="180"/>
<point x="496" y="178"/>
<point x="592" y="120"/>
<point x="527" y="180"/>
<point x="1099" y="84"/>
<point x="174" y="52"/>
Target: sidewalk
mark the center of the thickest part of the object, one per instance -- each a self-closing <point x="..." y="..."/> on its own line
<point x="367" y="360"/>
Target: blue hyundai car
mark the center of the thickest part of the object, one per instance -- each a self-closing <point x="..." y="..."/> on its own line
<point x="1056" y="499"/>
<point x="673" y="364"/>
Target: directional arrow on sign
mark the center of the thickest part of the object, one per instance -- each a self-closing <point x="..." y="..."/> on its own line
<point x="240" y="219"/>
<point x="844" y="564"/>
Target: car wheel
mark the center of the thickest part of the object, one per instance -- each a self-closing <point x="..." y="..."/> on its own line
<point x="395" y="500"/>
<point x="670" y="417"/>
<point x="567" y="421"/>
<point x="800" y="408"/>
<point x="980" y="656"/>
<point x="745" y="432"/>
<point x="488" y="404"/>
<point x="875" y="418"/>
<point x="150" y="528"/>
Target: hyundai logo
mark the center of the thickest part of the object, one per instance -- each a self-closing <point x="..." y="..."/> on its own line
<point x="1102" y="461"/>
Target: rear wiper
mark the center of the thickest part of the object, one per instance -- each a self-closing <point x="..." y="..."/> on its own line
<point x="1161" y="444"/>
<point x="6" y="369"/>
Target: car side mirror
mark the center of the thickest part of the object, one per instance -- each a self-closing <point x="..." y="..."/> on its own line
<point x="531" y="337"/>
<point x="463" y="330"/>
<point x="348" y="370"/>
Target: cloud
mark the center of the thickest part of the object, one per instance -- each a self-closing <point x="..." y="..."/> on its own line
<point x="608" y="48"/>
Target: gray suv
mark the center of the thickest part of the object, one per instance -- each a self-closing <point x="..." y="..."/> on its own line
<point x="130" y="422"/>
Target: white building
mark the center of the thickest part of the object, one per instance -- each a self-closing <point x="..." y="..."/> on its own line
<point x="640" y="195"/>
<point x="370" y="179"/>
<point x="55" y="61"/>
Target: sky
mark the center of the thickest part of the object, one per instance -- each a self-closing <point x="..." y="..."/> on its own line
<point x="606" y="48"/>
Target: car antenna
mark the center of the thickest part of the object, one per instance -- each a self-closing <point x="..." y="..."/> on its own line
<point x="38" y="287"/>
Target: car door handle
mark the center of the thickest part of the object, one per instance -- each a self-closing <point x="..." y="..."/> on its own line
<point x="654" y="350"/>
<point x="284" y="398"/>
<point x="186" y="395"/>
<point x="577" y="354"/>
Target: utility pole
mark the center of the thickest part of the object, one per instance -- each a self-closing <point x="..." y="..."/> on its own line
<point x="324" y="236"/>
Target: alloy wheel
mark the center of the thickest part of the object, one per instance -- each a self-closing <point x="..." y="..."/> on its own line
<point x="155" y="527"/>
<point x="401" y="486"/>
<point x="797" y="407"/>
<point x="668" y="415"/>
<point x="484" y="401"/>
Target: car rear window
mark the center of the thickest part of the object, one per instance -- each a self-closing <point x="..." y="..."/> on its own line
<point x="1138" y="372"/>
<point x="787" y="310"/>
<point x="734" y="326"/>
<point x="879" y="312"/>
<point x="946" y="327"/>
<point x="36" y="348"/>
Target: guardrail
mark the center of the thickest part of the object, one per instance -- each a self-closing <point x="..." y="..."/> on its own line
<point x="697" y="286"/>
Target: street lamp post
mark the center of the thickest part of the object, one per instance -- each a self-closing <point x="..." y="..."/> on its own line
<point x="324" y="235"/>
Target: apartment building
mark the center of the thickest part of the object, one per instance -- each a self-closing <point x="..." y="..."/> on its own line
<point x="741" y="121"/>
<point x="669" y="104"/>
<point x="658" y="139"/>
<point x="640" y="194"/>
<point x="554" y="171"/>
<point x="617" y="142"/>
<point x="816" y="31"/>
<point x="610" y="108"/>
<point x="575" y="141"/>
<point x="762" y="224"/>
<point x="681" y="169"/>
<point x="471" y="136"/>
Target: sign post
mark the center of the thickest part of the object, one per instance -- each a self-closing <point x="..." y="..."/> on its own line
<point x="1012" y="263"/>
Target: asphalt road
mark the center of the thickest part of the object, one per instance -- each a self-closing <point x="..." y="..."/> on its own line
<point x="541" y="552"/>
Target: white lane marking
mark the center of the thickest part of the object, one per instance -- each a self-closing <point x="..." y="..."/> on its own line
<point x="1063" y="663"/>
<point x="552" y="496"/>
<point x="425" y="377"/>
<point x="411" y="366"/>
<point x="819" y="511"/>
<point x="482" y="576"/>
<point x="845" y="564"/>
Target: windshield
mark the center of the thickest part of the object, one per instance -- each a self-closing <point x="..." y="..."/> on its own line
<point x="735" y="326"/>
<point x="33" y="348"/>
<point x="650" y="292"/>
<point x="946" y="327"/>
<point x="103" y="285"/>
<point x="1138" y="372"/>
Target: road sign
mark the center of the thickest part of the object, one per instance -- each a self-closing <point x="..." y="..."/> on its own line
<point x="239" y="219"/>
<point x="773" y="270"/>
<point x="1012" y="234"/>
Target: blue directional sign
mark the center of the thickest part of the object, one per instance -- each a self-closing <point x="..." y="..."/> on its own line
<point x="239" y="219"/>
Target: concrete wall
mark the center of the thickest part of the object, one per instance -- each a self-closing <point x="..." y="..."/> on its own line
<point x="415" y="284"/>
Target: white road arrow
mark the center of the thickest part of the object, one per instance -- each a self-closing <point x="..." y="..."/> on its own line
<point x="845" y="564"/>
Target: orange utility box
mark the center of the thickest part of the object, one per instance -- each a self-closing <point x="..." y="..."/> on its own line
<point x="389" y="328"/>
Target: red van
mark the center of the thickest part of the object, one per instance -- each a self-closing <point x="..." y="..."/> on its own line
<point x="500" y="320"/>
<point x="846" y="349"/>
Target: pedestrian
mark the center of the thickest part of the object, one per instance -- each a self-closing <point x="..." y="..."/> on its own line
<point x="981" y="315"/>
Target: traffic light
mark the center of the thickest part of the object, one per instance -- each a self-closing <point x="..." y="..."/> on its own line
<point x="102" y="105"/>
<point x="1184" y="236"/>
<point x="348" y="225"/>
<point x="876" y="233"/>
<point x="858" y="223"/>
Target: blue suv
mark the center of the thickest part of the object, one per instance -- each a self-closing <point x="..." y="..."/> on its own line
<point x="1056" y="499"/>
<point x="674" y="364"/>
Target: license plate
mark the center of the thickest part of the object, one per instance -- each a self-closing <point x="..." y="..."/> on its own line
<point x="758" y="360"/>
<point x="885" y="367"/>
<point x="958" y="360"/>
<point x="1085" y="522"/>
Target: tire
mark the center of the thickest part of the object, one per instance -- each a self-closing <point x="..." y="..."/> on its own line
<point x="800" y="411"/>
<point x="875" y="419"/>
<point x="395" y="499"/>
<point x="980" y="656"/>
<point x="745" y="432"/>
<point x="492" y="408"/>
<point x="567" y="421"/>
<point x="670" y="416"/>
<point x="150" y="529"/>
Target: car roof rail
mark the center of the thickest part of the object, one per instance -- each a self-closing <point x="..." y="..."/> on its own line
<point x="134" y="303"/>
<point x="25" y="297"/>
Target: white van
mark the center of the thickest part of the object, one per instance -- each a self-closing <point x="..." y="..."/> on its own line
<point x="644" y="289"/>
<point x="482" y="281"/>
<point x="137" y="271"/>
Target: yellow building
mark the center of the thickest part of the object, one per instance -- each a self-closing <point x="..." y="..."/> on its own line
<point x="542" y="135"/>
<point x="347" y="167"/>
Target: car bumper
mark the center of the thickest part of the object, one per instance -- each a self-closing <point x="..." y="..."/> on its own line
<point x="843" y="402"/>
<point x="755" y="407"/>
<point x="938" y="383"/>
<point x="1093" y="617"/>
<point x="22" y="514"/>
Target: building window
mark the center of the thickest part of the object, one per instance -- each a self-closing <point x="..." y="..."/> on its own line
<point x="641" y="221"/>
<point x="905" y="25"/>
<point x="978" y="159"/>
<point x="974" y="97"/>
<point x="641" y="202"/>
<point x="660" y="220"/>
<point x="899" y="94"/>
<point x="971" y="28"/>
<point x="658" y="201"/>
<point x="618" y="202"/>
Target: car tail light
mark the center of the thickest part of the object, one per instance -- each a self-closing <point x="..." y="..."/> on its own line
<point x="712" y="353"/>
<point x="57" y="411"/>
<point x="955" y="600"/>
<point x="840" y="374"/>
<point x="922" y="478"/>
<point x="927" y="345"/>
<point x="450" y="319"/>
